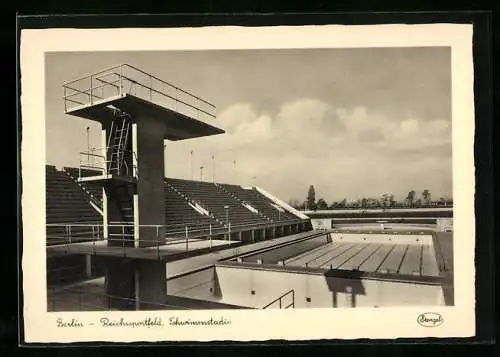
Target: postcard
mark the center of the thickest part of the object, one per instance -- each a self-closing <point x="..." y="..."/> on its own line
<point x="247" y="183"/>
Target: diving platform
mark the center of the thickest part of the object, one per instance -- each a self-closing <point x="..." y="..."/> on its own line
<point x="170" y="251"/>
<point x="178" y="126"/>
<point x="142" y="96"/>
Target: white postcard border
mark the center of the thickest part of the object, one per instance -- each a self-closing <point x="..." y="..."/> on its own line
<point x="246" y="325"/>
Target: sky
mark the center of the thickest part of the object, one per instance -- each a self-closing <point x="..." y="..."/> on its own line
<point x="351" y="122"/>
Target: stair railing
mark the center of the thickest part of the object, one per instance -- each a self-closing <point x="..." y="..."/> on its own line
<point x="280" y="299"/>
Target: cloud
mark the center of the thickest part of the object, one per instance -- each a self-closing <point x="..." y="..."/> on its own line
<point x="343" y="152"/>
<point x="243" y="126"/>
<point x="308" y="123"/>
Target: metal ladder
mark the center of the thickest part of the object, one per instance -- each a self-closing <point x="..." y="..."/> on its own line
<point x="118" y="144"/>
<point x="122" y="231"/>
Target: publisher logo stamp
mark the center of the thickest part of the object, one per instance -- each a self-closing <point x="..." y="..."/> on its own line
<point x="430" y="319"/>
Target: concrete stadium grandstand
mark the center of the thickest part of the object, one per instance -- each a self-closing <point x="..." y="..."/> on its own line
<point x="122" y="236"/>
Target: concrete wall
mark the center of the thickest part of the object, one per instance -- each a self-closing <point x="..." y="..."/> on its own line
<point x="444" y="224"/>
<point x="149" y="284"/>
<point x="237" y="285"/>
<point x="329" y="223"/>
<point x="256" y="288"/>
<point x="321" y="223"/>
<point x="197" y="285"/>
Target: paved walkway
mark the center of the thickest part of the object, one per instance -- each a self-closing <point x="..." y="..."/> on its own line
<point x="188" y="264"/>
<point x="161" y="251"/>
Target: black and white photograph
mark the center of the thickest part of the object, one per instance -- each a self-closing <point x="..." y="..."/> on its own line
<point x="248" y="179"/>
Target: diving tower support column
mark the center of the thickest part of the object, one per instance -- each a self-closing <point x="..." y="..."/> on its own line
<point x="141" y="284"/>
<point x="150" y="204"/>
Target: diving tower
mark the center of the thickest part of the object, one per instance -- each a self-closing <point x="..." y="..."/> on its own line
<point x="137" y="111"/>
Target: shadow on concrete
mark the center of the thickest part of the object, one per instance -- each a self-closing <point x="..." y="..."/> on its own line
<point x="352" y="286"/>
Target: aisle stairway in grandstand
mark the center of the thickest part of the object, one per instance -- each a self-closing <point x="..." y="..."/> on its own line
<point x="92" y="189"/>
<point x="211" y="198"/>
<point x="67" y="203"/>
<point x="180" y="213"/>
<point x="261" y="203"/>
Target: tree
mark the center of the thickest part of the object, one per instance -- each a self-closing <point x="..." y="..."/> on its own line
<point x="343" y="203"/>
<point x="364" y="203"/>
<point x="392" y="201"/>
<point x="311" y="198"/>
<point x="372" y="203"/>
<point x="410" y="198"/>
<point x="355" y="204"/>
<point x="321" y="205"/>
<point x="426" y="195"/>
<point x="385" y="200"/>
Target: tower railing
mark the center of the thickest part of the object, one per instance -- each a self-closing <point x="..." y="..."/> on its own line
<point x="93" y="234"/>
<point x="96" y="161"/>
<point x="125" y="79"/>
